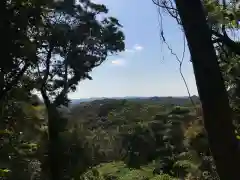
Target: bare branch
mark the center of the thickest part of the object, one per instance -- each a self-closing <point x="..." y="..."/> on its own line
<point x="163" y="5"/>
<point x="169" y="7"/>
<point x="180" y="61"/>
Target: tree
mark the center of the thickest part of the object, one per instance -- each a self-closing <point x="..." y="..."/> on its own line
<point x="19" y="22"/>
<point x="72" y="41"/>
<point x="216" y="110"/>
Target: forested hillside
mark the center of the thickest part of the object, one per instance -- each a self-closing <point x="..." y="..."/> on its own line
<point x="114" y="139"/>
<point x="144" y="140"/>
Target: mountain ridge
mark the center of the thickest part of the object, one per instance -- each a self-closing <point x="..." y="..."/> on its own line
<point x="154" y="98"/>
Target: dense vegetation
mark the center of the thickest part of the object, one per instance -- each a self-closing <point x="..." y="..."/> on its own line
<point x="52" y="45"/>
<point x="120" y="139"/>
<point x="144" y="140"/>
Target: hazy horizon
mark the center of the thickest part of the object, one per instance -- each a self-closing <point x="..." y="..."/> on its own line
<point x="134" y="97"/>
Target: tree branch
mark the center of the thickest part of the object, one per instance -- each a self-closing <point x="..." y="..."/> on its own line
<point x="233" y="46"/>
<point x="48" y="61"/>
<point x="63" y="93"/>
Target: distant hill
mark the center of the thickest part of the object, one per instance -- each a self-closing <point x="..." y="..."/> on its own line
<point x="164" y="100"/>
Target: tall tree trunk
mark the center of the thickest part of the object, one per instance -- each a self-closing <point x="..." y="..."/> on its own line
<point x="212" y="92"/>
<point x="53" y="135"/>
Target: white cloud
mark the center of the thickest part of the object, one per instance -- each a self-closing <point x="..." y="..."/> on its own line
<point x="129" y="50"/>
<point x="122" y="61"/>
<point x="119" y="62"/>
<point x="97" y="1"/>
<point x="138" y="47"/>
<point x="134" y="49"/>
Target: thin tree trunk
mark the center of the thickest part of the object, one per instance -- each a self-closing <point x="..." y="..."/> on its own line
<point x="212" y="92"/>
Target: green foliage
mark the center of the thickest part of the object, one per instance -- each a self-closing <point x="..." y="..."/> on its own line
<point x="163" y="177"/>
<point x="80" y="41"/>
<point x="170" y="136"/>
<point x="119" y="171"/>
<point x="20" y="136"/>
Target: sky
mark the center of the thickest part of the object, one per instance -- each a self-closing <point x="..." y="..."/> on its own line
<point x="146" y="67"/>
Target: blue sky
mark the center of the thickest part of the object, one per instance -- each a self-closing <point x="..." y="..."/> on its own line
<point x="147" y="67"/>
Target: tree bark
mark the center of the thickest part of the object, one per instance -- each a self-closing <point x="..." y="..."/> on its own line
<point x="53" y="135"/>
<point x="211" y="89"/>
